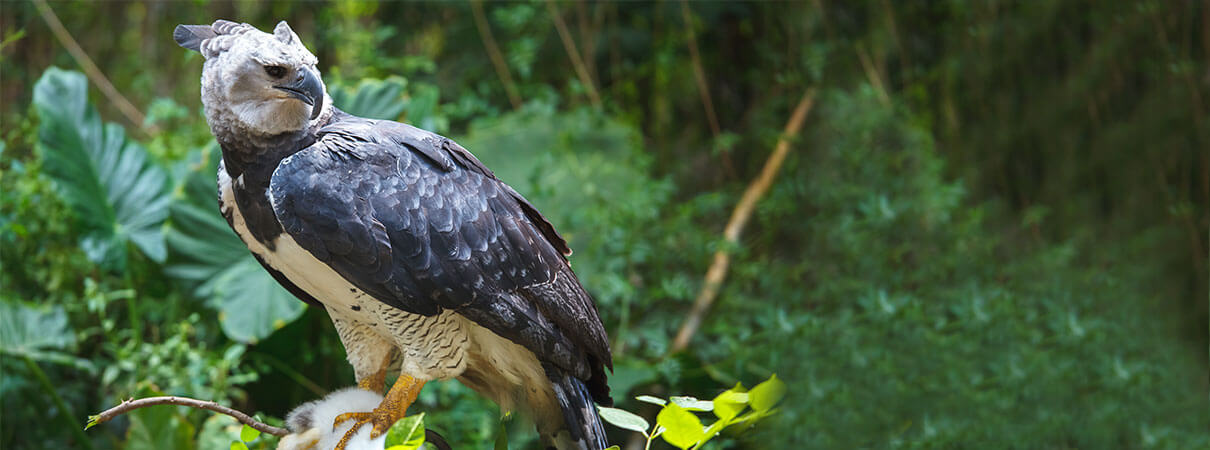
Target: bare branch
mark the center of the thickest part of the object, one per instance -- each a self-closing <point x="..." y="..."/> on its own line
<point x="131" y="405"/>
<point x="493" y="52"/>
<point x="569" y="44"/>
<point x="739" y="218"/>
<point x="132" y="114"/>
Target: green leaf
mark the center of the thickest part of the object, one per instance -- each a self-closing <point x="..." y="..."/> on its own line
<point x="237" y="445"/>
<point x="406" y="434"/>
<point x="765" y="395"/>
<point x="116" y="191"/>
<point x="502" y="434"/>
<point x="375" y="99"/>
<point x="652" y="400"/>
<point x="41" y="334"/>
<point x="692" y="403"/>
<point x="205" y="253"/>
<point x="248" y="434"/>
<point x="624" y="419"/>
<point x="713" y="430"/>
<point x="728" y="404"/>
<point x="252" y="305"/>
<point x="682" y="428"/>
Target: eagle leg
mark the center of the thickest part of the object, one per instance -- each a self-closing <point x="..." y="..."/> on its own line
<point x="393" y="407"/>
<point x="375" y="381"/>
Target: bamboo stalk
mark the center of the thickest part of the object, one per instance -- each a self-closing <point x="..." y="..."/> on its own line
<point x="739" y="219"/>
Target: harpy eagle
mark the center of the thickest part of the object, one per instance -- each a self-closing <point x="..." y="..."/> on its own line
<point x="420" y="255"/>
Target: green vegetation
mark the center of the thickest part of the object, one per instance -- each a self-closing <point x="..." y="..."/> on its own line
<point x="990" y="232"/>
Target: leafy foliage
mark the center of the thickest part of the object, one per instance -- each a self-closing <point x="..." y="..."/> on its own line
<point x="677" y="424"/>
<point x="41" y="335"/>
<point x="376" y="99"/>
<point x="991" y="229"/>
<point x="206" y="254"/>
<point x="115" y="190"/>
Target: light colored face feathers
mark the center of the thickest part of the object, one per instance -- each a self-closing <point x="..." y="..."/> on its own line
<point x="255" y="82"/>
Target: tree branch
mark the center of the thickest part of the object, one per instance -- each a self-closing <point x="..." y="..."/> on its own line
<point x="570" y="45"/>
<point x="739" y="219"/>
<point x="131" y="405"/>
<point x="132" y="114"/>
<point x="493" y="52"/>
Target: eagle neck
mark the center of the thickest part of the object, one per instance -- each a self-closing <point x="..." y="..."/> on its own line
<point x="250" y="162"/>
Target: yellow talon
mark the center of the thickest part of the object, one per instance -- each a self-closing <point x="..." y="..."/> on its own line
<point x="393" y="407"/>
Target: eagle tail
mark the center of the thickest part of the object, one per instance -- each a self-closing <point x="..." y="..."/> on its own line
<point x="579" y="412"/>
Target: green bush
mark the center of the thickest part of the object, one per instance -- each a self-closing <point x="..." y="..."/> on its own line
<point x="991" y="231"/>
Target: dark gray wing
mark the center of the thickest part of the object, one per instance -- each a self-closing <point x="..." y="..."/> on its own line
<point x="416" y="221"/>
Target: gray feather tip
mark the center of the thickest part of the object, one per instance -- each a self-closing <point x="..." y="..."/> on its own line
<point x="191" y="36"/>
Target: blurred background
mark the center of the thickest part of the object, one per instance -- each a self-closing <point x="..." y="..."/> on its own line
<point x="990" y="231"/>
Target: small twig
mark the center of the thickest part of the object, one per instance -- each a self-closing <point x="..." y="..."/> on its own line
<point x="131" y="405"/>
<point x="569" y="44"/>
<point x="90" y="69"/>
<point x="739" y="218"/>
<point x="493" y="52"/>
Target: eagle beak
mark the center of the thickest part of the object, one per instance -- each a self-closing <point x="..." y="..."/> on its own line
<point x="308" y="88"/>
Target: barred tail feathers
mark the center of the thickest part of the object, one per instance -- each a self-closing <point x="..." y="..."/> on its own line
<point x="584" y="430"/>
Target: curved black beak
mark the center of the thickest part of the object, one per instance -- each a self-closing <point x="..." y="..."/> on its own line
<point x="308" y="88"/>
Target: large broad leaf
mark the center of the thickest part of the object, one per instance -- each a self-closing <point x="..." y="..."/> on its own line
<point x="40" y="334"/>
<point x="205" y="253"/>
<point x="376" y="99"/>
<point x="118" y="193"/>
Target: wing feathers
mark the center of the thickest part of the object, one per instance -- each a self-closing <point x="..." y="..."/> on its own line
<point x="419" y="223"/>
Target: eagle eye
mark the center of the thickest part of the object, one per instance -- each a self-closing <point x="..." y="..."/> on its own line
<point x="275" y="71"/>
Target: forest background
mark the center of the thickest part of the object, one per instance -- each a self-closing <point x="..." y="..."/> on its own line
<point x="990" y="231"/>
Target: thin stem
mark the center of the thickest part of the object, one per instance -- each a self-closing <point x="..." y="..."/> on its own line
<point x="871" y="72"/>
<point x="64" y="412"/>
<point x="493" y="52"/>
<point x="699" y="74"/>
<point x="569" y="45"/>
<point x="98" y="78"/>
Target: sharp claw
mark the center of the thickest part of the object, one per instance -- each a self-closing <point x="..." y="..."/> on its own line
<point x="381" y="421"/>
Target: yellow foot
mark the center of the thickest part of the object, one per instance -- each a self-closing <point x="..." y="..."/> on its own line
<point x="381" y="418"/>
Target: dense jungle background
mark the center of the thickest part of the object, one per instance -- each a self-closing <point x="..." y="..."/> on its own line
<point x="990" y="231"/>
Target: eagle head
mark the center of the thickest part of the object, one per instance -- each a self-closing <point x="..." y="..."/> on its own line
<point x="255" y="82"/>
